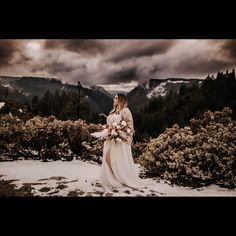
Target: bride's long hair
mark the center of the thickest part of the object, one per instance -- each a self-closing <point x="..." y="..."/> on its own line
<point x="122" y="103"/>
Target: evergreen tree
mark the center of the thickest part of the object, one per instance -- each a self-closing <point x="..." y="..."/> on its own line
<point x="35" y="105"/>
<point x="79" y="87"/>
<point x="6" y="93"/>
<point x="160" y="113"/>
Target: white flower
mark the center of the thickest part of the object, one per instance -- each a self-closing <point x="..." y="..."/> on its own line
<point x="128" y="130"/>
<point x="123" y="122"/>
<point x="114" y="123"/>
<point x="113" y="133"/>
<point x="105" y="132"/>
<point x="118" y="126"/>
<point x="118" y="140"/>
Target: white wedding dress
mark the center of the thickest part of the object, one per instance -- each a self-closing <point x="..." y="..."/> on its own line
<point x="123" y="171"/>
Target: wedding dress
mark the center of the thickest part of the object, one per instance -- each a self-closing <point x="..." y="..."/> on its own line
<point x="123" y="171"/>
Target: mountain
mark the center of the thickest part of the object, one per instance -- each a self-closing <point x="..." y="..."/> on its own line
<point x="23" y="89"/>
<point x="29" y="87"/>
<point x="101" y="89"/>
<point x="155" y="88"/>
<point x="98" y="100"/>
<point x="114" y="92"/>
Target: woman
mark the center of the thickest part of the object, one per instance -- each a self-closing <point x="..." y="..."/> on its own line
<point x="118" y="168"/>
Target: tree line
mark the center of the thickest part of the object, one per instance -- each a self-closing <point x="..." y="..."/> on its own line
<point x="63" y="105"/>
<point x="214" y="94"/>
<point x="179" y="107"/>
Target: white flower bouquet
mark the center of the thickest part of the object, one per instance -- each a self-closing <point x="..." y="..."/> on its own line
<point x="116" y="132"/>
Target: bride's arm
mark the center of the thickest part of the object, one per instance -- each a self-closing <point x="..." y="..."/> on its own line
<point x="127" y="115"/>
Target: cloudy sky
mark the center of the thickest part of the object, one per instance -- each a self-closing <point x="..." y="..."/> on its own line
<point x="115" y="64"/>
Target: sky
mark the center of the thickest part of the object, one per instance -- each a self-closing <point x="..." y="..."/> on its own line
<point x="115" y="64"/>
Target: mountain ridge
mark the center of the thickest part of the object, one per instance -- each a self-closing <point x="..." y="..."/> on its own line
<point x="26" y="87"/>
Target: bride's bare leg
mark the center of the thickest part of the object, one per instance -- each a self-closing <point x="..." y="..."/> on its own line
<point x="108" y="159"/>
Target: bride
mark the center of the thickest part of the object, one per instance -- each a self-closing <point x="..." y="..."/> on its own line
<point x="118" y="168"/>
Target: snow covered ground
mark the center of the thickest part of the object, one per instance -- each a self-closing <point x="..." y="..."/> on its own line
<point x="2" y="104"/>
<point x="78" y="178"/>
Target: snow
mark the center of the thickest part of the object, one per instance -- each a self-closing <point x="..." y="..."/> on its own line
<point x="34" y="171"/>
<point x="95" y="87"/>
<point x="2" y="104"/>
<point x="157" y="91"/>
<point x="26" y="94"/>
<point x="119" y="87"/>
<point x="77" y="175"/>
<point x="7" y="86"/>
<point x="146" y="84"/>
<point x="20" y="110"/>
<point x="87" y="86"/>
<point x="178" y="81"/>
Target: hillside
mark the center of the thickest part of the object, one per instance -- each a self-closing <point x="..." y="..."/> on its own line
<point x="23" y="89"/>
<point x="154" y="88"/>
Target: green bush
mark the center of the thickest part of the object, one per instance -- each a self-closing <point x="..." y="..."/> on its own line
<point x="44" y="137"/>
<point x="201" y="154"/>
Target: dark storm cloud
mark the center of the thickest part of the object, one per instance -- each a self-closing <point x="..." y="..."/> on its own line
<point x="203" y="65"/>
<point x="80" y="45"/>
<point x="123" y="75"/>
<point x="7" y="50"/>
<point x="140" y="48"/>
<point x="54" y="68"/>
<point x="155" y="69"/>
<point x="229" y="46"/>
<point x="115" y="62"/>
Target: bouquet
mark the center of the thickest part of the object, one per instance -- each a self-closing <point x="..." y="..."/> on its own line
<point x="116" y="132"/>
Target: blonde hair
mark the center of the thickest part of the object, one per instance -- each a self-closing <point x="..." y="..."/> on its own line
<point x="122" y="103"/>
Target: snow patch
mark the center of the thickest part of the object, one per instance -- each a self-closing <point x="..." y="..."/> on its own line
<point x="95" y="87"/>
<point x="2" y="104"/>
<point x="82" y="176"/>
<point x="87" y="86"/>
<point x="178" y="81"/>
<point x="26" y="94"/>
<point x="157" y="91"/>
<point x="7" y="86"/>
<point x="147" y="85"/>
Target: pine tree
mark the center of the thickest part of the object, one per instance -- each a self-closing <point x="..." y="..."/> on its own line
<point x="6" y="92"/>
<point x="35" y="105"/>
<point x="233" y="73"/>
<point x="79" y="87"/>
